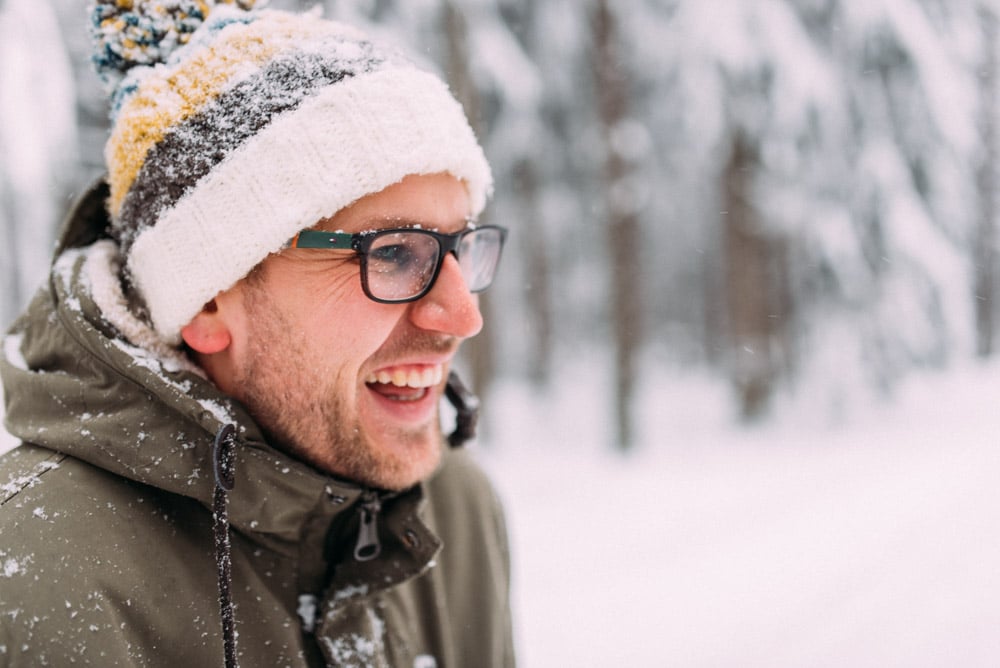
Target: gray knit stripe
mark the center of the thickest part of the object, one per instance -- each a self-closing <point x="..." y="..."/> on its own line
<point x="191" y="149"/>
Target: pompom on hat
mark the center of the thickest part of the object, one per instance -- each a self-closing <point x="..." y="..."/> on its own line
<point x="235" y="127"/>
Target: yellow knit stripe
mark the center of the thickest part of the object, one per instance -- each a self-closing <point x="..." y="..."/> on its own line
<point x="168" y="96"/>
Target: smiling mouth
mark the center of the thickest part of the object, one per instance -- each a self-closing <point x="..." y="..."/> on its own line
<point x="410" y="383"/>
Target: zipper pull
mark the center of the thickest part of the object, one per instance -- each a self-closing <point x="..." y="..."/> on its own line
<point x="368" y="546"/>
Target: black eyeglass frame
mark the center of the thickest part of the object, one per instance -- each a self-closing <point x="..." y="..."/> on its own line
<point x="361" y="243"/>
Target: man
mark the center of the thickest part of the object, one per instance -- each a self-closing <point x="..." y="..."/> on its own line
<point x="228" y="392"/>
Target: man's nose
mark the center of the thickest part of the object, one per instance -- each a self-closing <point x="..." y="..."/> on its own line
<point x="449" y="307"/>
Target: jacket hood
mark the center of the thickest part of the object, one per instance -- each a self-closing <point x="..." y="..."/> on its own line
<point x="83" y="375"/>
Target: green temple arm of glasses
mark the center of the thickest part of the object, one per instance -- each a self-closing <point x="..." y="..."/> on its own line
<point x="320" y="239"/>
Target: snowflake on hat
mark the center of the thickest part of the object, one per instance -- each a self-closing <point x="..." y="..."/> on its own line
<point x="128" y="33"/>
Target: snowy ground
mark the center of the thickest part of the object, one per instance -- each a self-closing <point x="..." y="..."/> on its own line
<point x="876" y="543"/>
<point x="873" y="544"/>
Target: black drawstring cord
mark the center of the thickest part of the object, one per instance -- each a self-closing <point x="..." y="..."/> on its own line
<point x="223" y="463"/>
<point x="467" y="410"/>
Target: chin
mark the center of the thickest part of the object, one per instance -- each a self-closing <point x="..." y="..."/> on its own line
<point x="400" y="471"/>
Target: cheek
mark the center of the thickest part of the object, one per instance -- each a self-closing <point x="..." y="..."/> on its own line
<point x="330" y="320"/>
<point x="348" y="332"/>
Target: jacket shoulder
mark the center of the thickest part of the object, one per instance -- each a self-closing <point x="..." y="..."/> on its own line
<point x="465" y="506"/>
<point x="83" y="564"/>
<point x="461" y="478"/>
<point x="474" y="562"/>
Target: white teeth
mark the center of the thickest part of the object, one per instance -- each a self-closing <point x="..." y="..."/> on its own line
<point x="414" y="378"/>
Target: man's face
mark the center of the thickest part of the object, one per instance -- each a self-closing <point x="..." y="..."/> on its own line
<point x="347" y="384"/>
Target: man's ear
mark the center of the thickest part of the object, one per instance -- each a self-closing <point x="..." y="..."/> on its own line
<point x="207" y="333"/>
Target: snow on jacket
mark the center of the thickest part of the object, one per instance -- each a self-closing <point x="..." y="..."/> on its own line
<point x="106" y="529"/>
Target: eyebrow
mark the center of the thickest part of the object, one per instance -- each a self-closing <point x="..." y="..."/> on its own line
<point x="371" y="224"/>
<point x="377" y="224"/>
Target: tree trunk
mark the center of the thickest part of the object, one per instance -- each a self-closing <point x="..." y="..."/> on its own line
<point x="527" y="183"/>
<point x="622" y="238"/>
<point x="480" y="351"/>
<point x="538" y="273"/>
<point x="755" y="302"/>
<point x="984" y="249"/>
<point x="10" y="272"/>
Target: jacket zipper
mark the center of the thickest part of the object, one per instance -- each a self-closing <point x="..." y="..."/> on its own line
<point x="368" y="546"/>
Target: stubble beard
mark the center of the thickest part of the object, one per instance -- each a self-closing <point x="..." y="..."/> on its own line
<point x="309" y="420"/>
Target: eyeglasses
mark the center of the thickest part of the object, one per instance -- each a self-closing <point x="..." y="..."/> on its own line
<point x="401" y="265"/>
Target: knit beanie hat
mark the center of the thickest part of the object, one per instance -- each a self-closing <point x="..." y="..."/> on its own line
<point x="233" y="128"/>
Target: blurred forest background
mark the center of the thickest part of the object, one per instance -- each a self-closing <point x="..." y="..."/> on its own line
<point x="797" y="197"/>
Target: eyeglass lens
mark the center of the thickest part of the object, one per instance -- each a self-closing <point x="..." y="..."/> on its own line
<point x="478" y="255"/>
<point x="402" y="264"/>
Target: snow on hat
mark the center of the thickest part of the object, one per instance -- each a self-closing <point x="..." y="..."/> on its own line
<point x="233" y="128"/>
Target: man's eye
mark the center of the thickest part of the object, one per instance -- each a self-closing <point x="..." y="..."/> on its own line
<point x="390" y="257"/>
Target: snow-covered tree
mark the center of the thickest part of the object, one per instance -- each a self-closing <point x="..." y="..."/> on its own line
<point x="38" y="150"/>
<point x="986" y="288"/>
<point x="826" y="147"/>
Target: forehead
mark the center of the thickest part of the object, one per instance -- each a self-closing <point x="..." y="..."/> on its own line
<point x="432" y="201"/>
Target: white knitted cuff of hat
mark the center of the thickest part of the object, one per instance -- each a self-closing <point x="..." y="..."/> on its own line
<point x="352" y="139"/>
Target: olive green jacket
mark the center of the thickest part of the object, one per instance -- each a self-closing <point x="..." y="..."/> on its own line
<point x="106" y="527"/>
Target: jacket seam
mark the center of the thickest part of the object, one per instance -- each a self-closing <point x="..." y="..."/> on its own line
<point x="17" y="485"/>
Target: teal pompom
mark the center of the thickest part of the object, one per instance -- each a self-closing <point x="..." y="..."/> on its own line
<point x="130" y="33"/>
